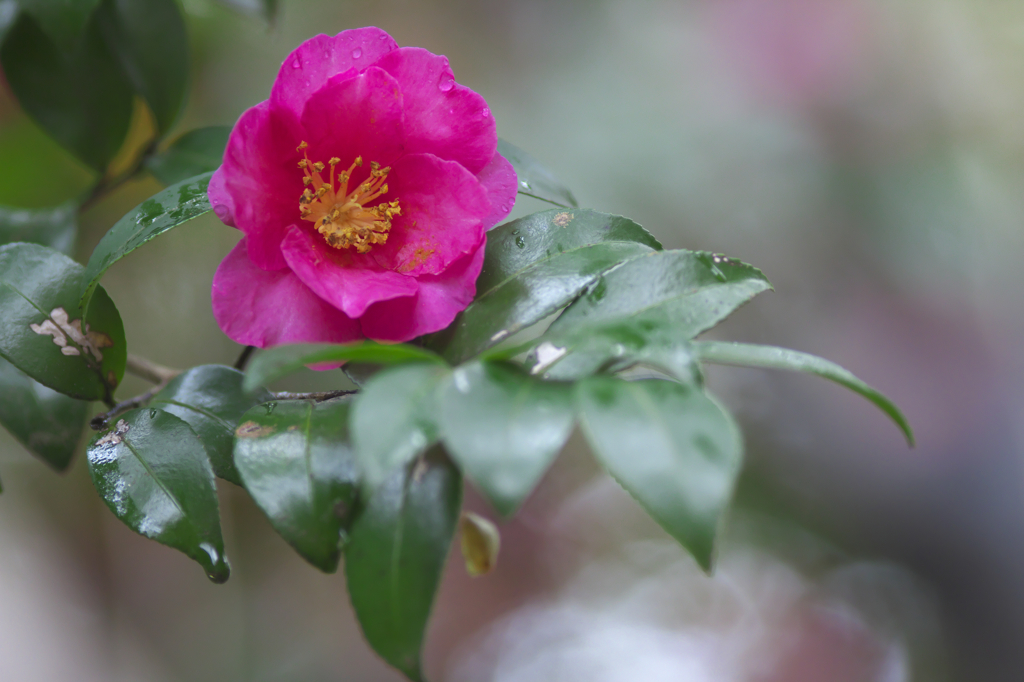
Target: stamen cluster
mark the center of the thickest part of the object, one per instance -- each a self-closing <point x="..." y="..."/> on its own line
<point x="343" y="217"/>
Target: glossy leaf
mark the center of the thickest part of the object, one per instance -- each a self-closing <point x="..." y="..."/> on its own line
<point x="55" y="227"/>
<point x="396" y="554"/>
<point x="276" y="363"/>
<point x="770" y="357"/>
<point x="536" y="265"/>
<point x="264" y="9"/>
<point x="534" y="179"/>
<point x="42" y="333"/>
<point x="671" y="447"/>
<point x="613" y="347"/>
<point x="504" y="428"/>
<point x="688" y="292"/>
<point x="297" y="464"/>
<point x="62" y="20"/>
<point x="149" y="39"/>
<point x="394" y="417"/>
<point x="211" y="400"/>
<point x="153" y="472"/>
<point x="75" y="91"/>
<point x="194" y="153"/>
<point x="163" y="211"/>
<point x="47" y="423"/>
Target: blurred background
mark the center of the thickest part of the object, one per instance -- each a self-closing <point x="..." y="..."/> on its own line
<point x="867" y="155"/>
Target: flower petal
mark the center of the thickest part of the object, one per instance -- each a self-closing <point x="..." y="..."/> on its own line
<point x="338" y="278"/>
<point x="499" y="179"/>
<point x="357" y="115"/>
<point x="442" y="117"/>
<point x="259" y="185"/>
<point x="259" y="308"/>
<point x="443" y="206"/>
<point x="439" y="299"/>
<point x="311" y="64"/>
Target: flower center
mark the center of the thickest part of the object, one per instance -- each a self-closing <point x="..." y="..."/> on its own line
<point x="343" y="217"/>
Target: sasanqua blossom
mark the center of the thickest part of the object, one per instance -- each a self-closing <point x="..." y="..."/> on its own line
<point x="364" y="187"/>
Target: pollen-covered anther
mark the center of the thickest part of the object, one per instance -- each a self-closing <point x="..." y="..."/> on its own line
<point x="346" y="219"/>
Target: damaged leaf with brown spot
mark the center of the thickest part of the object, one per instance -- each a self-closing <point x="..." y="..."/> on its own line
<point x="295" y="460"/>
<point x="44" y="333"/>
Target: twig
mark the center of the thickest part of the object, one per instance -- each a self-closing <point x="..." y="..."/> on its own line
<point x="102" y="421"/>
<point x="105" y="186"/>
<point x="243" y="359"/>
<point x="318" y="396"/>
<point x="149" y="370"/>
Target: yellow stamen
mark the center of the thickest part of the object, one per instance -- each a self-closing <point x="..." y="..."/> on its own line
<point x="343" y="217"/>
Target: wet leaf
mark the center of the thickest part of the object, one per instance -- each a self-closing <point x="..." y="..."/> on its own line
<point x="74" y="89"/>
<point x="194" y="153"/>
<point x="43" y="334"/>
<point x="47" y="423"/>
<point x="535" y="180"/>
<point x="211" y="400"/>
<point x="504" y="428"/>
<point x="396" y="554"/>
<point x="686" y="292"/>
<point x="163" y="211"/>
<point x="296" y="462"/>
<point x="153" y="472"/>
<point x="276" y="363"/>
<point x="770" y="357"/>
<point x="536" y="265"/>
<point x="55" y="227"/>
<point x="671" y="447"/>
<point x="394" y="417"/>
<point x="149" y="39"/>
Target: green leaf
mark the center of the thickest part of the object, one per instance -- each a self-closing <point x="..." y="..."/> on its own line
<point x="671" y="447"/>
<point x="536" y="265"/>
<point x="685" y="291"/>
<point x="163" y="211"/>
<point x="211" y="400"/>
<point x="264" y="9"/>
<point x="149" y="39"/>
<point x="273" y="364"/>
<point x="396" y="554"/>
<point x="47" y="423"/>
<point x="63" y="20"/>
<point x="55" y="227"/>
<point x="197" y="151"/>
<point x="42" y="334"/>
<point x="770" y="357"/>
<point x="504" y="428"/>
<point x="79" y="95"/>
<point x="534" y="179"/>
<point x="394" y="418"/>
<point x="153" y="472"/>
<point x="296" y="462"/>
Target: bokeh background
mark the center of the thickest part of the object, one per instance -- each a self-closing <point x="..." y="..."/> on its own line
<point x="868" y="155"/>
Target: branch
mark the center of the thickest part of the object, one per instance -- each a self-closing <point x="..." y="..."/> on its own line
<point x="149" y="370"/>
<point x="318" y="396"/>
<point x="102" y="421"/>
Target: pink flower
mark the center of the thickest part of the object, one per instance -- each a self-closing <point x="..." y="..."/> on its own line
<point x="365" y="186"/>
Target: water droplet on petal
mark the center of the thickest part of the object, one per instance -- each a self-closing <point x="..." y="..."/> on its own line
<point x="446" y="83"/>
<point x="505" y="209"/>
<point x="296" y="63"/>
<point x="357" y="53"/>
<point x="485" y="113"/>
<point x="221" y="211"/>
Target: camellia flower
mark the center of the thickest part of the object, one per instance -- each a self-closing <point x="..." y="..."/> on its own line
<point x="365" y="186"/>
